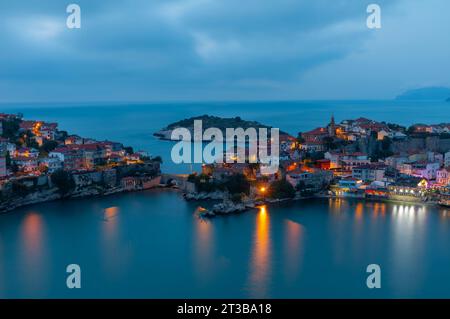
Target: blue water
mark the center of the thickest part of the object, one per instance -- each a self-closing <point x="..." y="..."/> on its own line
<point x="151" y="245"/>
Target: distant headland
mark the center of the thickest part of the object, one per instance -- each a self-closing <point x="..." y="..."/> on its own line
<point x="426" y="93"/>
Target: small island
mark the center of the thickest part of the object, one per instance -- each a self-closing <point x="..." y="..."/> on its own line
<point x="209" y="121"/>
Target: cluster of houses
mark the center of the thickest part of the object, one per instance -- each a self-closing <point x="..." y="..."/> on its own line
<point x="344" y="159"/>
<point x="30" y="148"/>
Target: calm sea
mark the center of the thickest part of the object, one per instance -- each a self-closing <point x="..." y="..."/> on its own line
<point x="150" y="244"/>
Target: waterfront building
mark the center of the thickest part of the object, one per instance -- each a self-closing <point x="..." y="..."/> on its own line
<point x="369" y="172"/>
<point x="412" y="188"/>
<point x="348" y="187"/>
<point x="312" y="179"/>
<point x="421" y="169"/>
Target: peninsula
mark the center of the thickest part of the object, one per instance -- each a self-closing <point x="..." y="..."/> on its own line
<point x="39" y="163"/>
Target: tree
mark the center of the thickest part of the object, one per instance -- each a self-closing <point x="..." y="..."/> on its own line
<point x="411" y="130"/>
<point x="8" y="159"/>
<point x="300" y="139"/>
<point x="128" y="150"/>
<point x="48" y="146"/>
<point x="281" y="189"/>
<point x="329" y="143"/>
<point x="26" y="139"/>
<point x="386" y="144"/>
<point x="158" y="159"/>
<point x="237" y="184"/>
<point x="192" y="178"/>
<point x="10" y="128"/>
<point x="63" y="180"/>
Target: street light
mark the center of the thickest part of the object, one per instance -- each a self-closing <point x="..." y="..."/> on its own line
<point x="263" y="192"/>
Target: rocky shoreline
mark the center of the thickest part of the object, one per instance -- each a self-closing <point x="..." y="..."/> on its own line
<point x="52" y="194"/>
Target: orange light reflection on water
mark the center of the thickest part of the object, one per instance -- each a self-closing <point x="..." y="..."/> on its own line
<point x="203" y="249"/>
<point x="33" y="235"/>
<point x="261" y="253"/>
<point x="293" y="249"/>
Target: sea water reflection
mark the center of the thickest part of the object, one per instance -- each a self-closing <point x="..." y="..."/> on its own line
<point x="150" y="244"/>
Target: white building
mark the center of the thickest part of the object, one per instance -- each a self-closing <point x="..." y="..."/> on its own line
<point x="369" y="173"/>
<point x="396" y="161"/>
<point x="443" y="176"/>
<point x="447" y="159"/>
<point x="423" y="170"/>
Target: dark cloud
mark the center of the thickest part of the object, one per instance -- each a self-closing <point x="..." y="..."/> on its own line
<point x="160" y="49"/>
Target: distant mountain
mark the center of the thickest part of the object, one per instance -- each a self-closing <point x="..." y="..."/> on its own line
<point x="428" y="93"/>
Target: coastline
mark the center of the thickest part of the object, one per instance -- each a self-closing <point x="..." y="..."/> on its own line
<point x="53" y="194"/>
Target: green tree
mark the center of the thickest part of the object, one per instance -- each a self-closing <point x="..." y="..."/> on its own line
<point x="8" y="159"/>
<point x="329" y="143"/>
<point x="386" y="144"/>
<point x="237" y="184"/>
<point x="48" y="146"/>
<point x="300" y="138"/>
<point x="281" y="189"/>
<point x="10" y="128"/>
<point x="157" y="159"/>
<point x="128" y="150"/>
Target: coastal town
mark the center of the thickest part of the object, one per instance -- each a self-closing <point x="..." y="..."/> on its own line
<point x="356" y="158"/>
<point x="39" y="162"/>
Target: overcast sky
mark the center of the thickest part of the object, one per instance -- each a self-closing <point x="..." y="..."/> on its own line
<point x="159" y="50"/>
